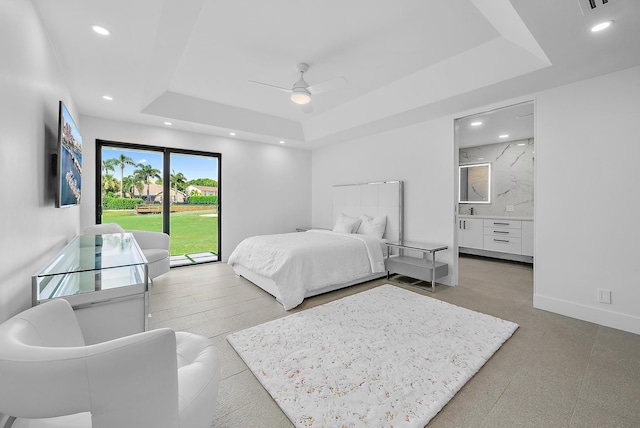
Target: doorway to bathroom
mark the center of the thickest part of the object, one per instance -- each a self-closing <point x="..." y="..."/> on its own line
<point x="495" y="171"/>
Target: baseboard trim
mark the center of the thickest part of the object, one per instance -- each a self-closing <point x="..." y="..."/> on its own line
<point x="599" y="316"/>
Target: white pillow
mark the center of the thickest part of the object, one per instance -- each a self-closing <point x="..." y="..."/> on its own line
<point x="345" y="224"/>
<point x="372" y="226"/>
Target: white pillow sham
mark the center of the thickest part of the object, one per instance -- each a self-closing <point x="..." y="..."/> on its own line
<point x="372" y="226"/>
<point x="346" y="224"/>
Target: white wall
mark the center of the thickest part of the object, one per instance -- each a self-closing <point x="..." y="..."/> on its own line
<point x="265" y="188"/>
<point x="421" y="155"/>
<point x="587" y="151"/>
<point x="31" y="85"/>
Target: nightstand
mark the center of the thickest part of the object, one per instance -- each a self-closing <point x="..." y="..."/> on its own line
<point x="415" y="267"/>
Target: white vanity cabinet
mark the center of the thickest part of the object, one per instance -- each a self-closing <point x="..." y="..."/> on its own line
<point x="500" y="237"/>
<point x="470" y="233"/>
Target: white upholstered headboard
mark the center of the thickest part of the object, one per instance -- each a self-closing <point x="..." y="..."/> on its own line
<point x="372" y="199"/>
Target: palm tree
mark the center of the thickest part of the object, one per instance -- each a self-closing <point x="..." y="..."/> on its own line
<point x="177" y="181"/>
<point x="107" y="165"/>
<point x="127" y="184"/>
<point x="146" y="173"/>
<point x="130" y="182"/>
<point x="122" y="161"/>
<point x="138" y="184"/>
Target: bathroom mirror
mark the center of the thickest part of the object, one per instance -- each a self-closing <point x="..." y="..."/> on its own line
<point x="475" y="184"/>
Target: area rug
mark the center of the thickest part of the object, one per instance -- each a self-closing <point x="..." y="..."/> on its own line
<point x="386" y="357"/>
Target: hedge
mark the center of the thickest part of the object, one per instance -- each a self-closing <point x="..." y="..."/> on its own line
<point x="121" y="203"/>
<point x="203" y="200"/>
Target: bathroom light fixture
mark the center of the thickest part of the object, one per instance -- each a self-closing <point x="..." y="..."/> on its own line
<point x="101" y="30"/>
<point x="601" y="26"/>
<point x="476" y="123"/>
<point x="522" y="144"/>
<point x="233" y="134"/>
<point x="107" y="97"/>
<point x="503" y="136"/>
<point x="281" y="142"/>
<point x="168" y="123"/>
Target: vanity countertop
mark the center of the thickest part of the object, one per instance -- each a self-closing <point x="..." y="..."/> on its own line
<point x="495" y="217"/>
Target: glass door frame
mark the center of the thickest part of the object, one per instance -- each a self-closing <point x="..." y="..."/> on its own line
<point x="166" y="180"/>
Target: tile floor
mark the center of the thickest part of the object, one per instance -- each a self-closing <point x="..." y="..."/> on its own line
<point x="554" y="372"/>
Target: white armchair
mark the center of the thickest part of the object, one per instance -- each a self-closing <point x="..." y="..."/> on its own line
<point x="154" y="379"/>
<point x="154" y="245"/>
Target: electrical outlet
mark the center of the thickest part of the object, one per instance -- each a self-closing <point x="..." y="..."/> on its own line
<point x="509" y="208"/>
<point x="604" y="296"/>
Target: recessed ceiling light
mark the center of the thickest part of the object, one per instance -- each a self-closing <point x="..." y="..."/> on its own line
<point x="232" y="134"/>
<point x="107" y="97"/>
<point x="476" y="123"/>
<point x="168" y="123"/>
<point x="601" y="26"/>
<point x="503" y="136"/>
<point x="480" y="158"/>
<point x="522" y="144"/>
<point x="281" y="142"/>
<point x="101" y="30"/>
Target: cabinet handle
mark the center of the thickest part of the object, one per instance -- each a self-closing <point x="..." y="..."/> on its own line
<point x="465" y="224"/>
<point x="500" y="231"/>
<point x="501" y="240"/>
<point x="500" y="224"/>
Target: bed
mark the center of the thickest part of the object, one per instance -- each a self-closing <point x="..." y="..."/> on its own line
<point x="293" y="266"/>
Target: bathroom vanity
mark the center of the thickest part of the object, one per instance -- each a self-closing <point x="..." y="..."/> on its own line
<point x="508" y="238"/>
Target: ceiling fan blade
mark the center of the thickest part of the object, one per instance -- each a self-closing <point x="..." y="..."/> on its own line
<point x="271" y="86"/>
<point x="307" y="108"/>
<point x="328" y="85"/>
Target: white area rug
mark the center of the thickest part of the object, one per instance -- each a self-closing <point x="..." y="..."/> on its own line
<point x="386" y="357"/>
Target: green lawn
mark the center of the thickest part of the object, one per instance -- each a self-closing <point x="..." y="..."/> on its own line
<point x="191" y="232"/>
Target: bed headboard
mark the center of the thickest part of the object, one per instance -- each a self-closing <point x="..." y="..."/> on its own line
<point x="372" y="199"/>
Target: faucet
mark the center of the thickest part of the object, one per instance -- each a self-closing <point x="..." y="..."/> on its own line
<point x="471" y="211"/>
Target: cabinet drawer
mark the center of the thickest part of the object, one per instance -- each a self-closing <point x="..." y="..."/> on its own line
<point x="503" y="244"/>
<point x="508" y="224"/>
<point x="502" y="231"/>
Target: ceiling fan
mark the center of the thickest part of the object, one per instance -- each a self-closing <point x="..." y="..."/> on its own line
<point x="301" y="92"/>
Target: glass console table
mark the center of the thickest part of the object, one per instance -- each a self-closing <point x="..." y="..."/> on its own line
<point x="416" y="267"/>
<point x="105" y="279"/>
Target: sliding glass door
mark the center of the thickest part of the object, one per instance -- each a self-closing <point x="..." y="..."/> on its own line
<point x="131" y="187"/>
<point x="194" y="208"/>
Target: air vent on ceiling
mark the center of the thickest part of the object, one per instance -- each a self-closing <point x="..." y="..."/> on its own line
<point x="589" y="6"/>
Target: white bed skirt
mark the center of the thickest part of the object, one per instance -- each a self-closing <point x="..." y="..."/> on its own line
<point x="268" y="285"/>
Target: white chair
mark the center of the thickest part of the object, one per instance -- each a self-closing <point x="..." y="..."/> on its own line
<point x="155" y="379"/>
<point x="154" y="245"/>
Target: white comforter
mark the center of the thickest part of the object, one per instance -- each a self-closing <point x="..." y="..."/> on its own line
<point x="306" y="261"/>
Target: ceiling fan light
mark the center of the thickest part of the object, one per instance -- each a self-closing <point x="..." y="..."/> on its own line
<point x="300" y="96"/>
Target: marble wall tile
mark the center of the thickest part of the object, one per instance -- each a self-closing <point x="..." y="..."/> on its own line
<point x="511" y="177"/>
